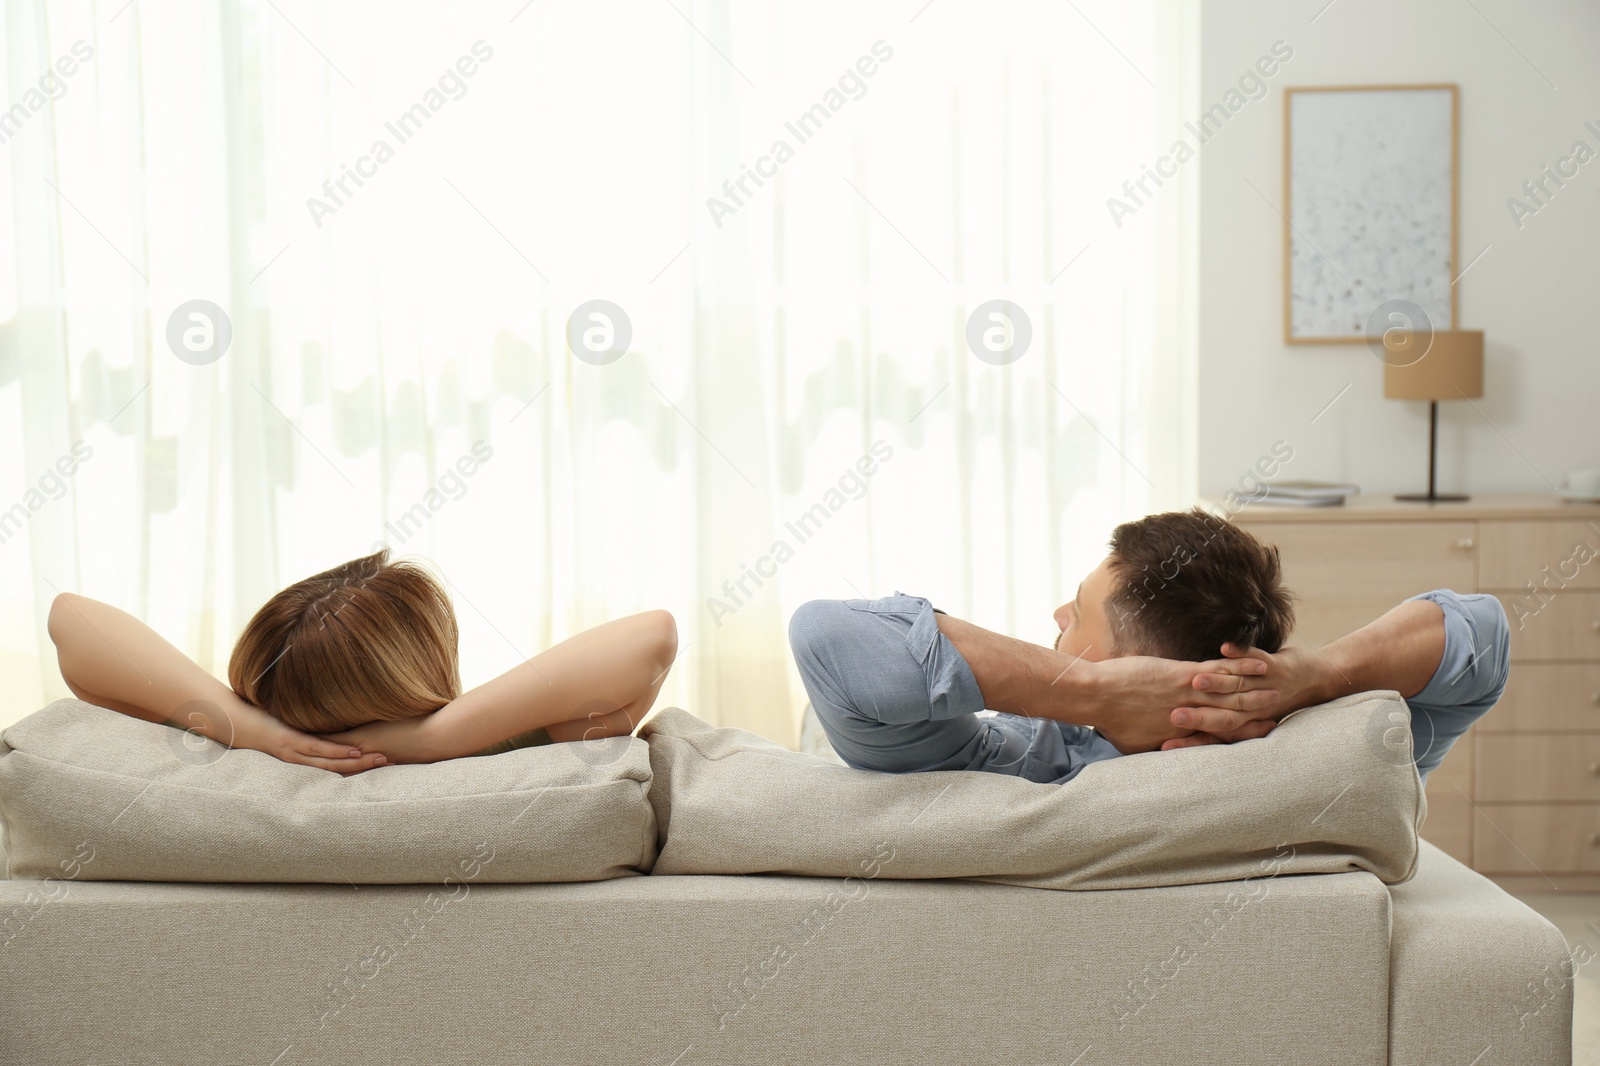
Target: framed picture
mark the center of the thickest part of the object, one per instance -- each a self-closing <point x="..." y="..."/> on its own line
<point x="1370" y="202"/>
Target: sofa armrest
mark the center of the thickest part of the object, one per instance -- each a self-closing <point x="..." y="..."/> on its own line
<point x="1476" y="975"/>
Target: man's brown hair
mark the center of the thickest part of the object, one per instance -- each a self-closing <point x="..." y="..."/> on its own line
<point x="1184" y="582"/>
<point x="368" y="640"/>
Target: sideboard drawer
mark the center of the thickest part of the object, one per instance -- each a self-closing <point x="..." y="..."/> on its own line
<point x="1449" y="822"/>
<point x="1448" y="826"/>
<point x="1515" y="553"/>
<point x="1536" y="839"/>
<point x="1545" y="697"/>
<point x="1345" y="574"/>
<point x="1563" y="626"/>
<point x="1542" y="767"/>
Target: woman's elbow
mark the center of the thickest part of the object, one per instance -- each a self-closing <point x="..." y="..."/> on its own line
<point x="63" y="613"/>
<point x="662" y="638"/>
<point x="64" y="624"/>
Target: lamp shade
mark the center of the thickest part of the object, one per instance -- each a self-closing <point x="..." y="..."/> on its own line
<point x="1450" y="368"/>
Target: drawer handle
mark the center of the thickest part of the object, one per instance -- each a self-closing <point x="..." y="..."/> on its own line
<point x="1594" y="840"/>
<point x="1465" y="544"/>
<point x="1594" y="769"/>
<point x="1594" y="698"/>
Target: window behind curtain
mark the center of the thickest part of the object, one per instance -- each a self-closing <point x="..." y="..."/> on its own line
<point x="392" y="334"/>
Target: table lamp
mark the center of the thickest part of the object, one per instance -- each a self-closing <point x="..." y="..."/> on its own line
<point x="1450" y="368"/>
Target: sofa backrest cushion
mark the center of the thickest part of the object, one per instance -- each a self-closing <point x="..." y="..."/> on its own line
<point x="92" y="794"/>
<point x="1331" y="789"/>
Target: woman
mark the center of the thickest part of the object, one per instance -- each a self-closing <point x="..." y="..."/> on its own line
<point x="364" y="654"/>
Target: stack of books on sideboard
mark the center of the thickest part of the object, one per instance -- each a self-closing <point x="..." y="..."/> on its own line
<point x="1308" y="493"/>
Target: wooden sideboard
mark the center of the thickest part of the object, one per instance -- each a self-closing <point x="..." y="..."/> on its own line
<point x="1518" y="797"/>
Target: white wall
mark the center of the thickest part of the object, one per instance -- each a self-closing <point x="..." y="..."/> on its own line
<point x="1535" y="293"/>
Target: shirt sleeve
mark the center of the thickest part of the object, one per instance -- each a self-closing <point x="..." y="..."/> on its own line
<point x="1471" y="677"/>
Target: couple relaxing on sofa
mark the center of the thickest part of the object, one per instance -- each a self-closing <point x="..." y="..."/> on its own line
<point x="1175" y="639"/>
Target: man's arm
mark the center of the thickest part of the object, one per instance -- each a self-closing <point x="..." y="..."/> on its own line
<point x="1127" y="700"/>
<point x="1400" y="651"/>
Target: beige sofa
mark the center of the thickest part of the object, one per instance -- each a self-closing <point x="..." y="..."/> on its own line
<point x="866" y="960"/>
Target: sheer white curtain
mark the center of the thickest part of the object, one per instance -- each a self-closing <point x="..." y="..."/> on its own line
<point x="399" y="208"/>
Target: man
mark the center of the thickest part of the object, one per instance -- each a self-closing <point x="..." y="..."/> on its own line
<point x="897" y="685"/>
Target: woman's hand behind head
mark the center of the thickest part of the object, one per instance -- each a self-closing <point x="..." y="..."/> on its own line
<point x="408" y="740"/>
<point x="291" y="745"/>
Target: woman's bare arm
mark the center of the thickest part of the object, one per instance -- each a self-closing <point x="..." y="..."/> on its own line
<point x="111" y="659"/>
<point x="600" y="683"/>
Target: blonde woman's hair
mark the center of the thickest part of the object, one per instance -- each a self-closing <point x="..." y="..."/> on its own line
<point x="368" y="640"/>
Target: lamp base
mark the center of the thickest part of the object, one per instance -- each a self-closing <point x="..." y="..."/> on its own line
<point x="1428" y="497"/>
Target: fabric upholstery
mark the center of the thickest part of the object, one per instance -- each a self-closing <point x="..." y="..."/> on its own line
<point x="697" y="971"/>
<point x="1331" y="789"/>
<point x="1476" y="974"/>
<point x="130" y="800"/>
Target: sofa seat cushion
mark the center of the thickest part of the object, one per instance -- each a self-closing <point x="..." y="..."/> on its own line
<point x="699" y="971"/>
<point x="91" y="794"/>
<point x="1331" y="789"/>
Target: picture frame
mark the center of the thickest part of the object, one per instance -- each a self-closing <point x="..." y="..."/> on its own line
<point x="1371" y="193"/>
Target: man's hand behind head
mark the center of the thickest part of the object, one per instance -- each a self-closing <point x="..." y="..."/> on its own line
<point x="1300" y="677"/>
<point x="1139" y="694"/>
